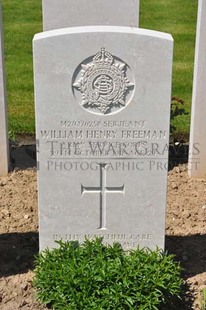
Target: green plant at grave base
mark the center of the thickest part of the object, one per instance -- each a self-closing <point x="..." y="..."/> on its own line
<point x="12" y="136"/>
<point x="203" y="301"/>
<point x="96" y="276"/>
<point x="177" y="109"/>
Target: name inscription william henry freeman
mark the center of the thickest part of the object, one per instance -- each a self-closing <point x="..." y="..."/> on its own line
<point x="82" y="142"/>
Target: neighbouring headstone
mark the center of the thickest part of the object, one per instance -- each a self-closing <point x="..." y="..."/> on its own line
<point x="4" y="157"/>
<point x="73" y="13"/>
<point x="102" y="122"/>
<point x="197" y="151"/>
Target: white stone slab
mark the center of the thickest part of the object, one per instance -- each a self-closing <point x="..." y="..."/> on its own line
<point x="73" y="13"/>
<point x="197" y="152"/>
<point x="4" y="163"/>
<point x="102" y="98"/>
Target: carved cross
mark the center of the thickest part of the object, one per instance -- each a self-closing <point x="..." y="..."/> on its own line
<point x="102" y="189"/>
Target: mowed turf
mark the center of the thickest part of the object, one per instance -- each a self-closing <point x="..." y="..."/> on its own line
<point x="22" y="19"/>
<point x="177" y="17"/>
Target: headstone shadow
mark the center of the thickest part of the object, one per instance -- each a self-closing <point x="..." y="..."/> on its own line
<point x="178" y="154"/>
<point x="190" y="251"/>
<point x="23" y="157"/>
<point x="17" y="252"/>
<point x="19" y="249"/>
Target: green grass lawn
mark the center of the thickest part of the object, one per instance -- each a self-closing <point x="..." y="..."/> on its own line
<point x="22" y="19"/>
<point x="177" y="17"/>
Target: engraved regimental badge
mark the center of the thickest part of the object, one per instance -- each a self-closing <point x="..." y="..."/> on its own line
<point x="103" y="83"/>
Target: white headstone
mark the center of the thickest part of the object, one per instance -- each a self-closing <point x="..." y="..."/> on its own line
<point x="102" y="122"/>
<point x="4" y="163"/>
<point x="73" y="13"/>
<point x="197" y="152"/>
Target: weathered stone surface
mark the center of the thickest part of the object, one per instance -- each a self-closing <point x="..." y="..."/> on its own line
<point x="102" y="120"/>
<point x="197" y="152"/>
<point x="4" y="161"/>
<point x="73" y="13"/>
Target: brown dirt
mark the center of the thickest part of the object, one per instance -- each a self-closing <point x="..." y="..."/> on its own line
<point x="185" y="234"/>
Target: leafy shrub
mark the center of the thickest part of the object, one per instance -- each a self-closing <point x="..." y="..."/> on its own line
<point x="95" y="276"/>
